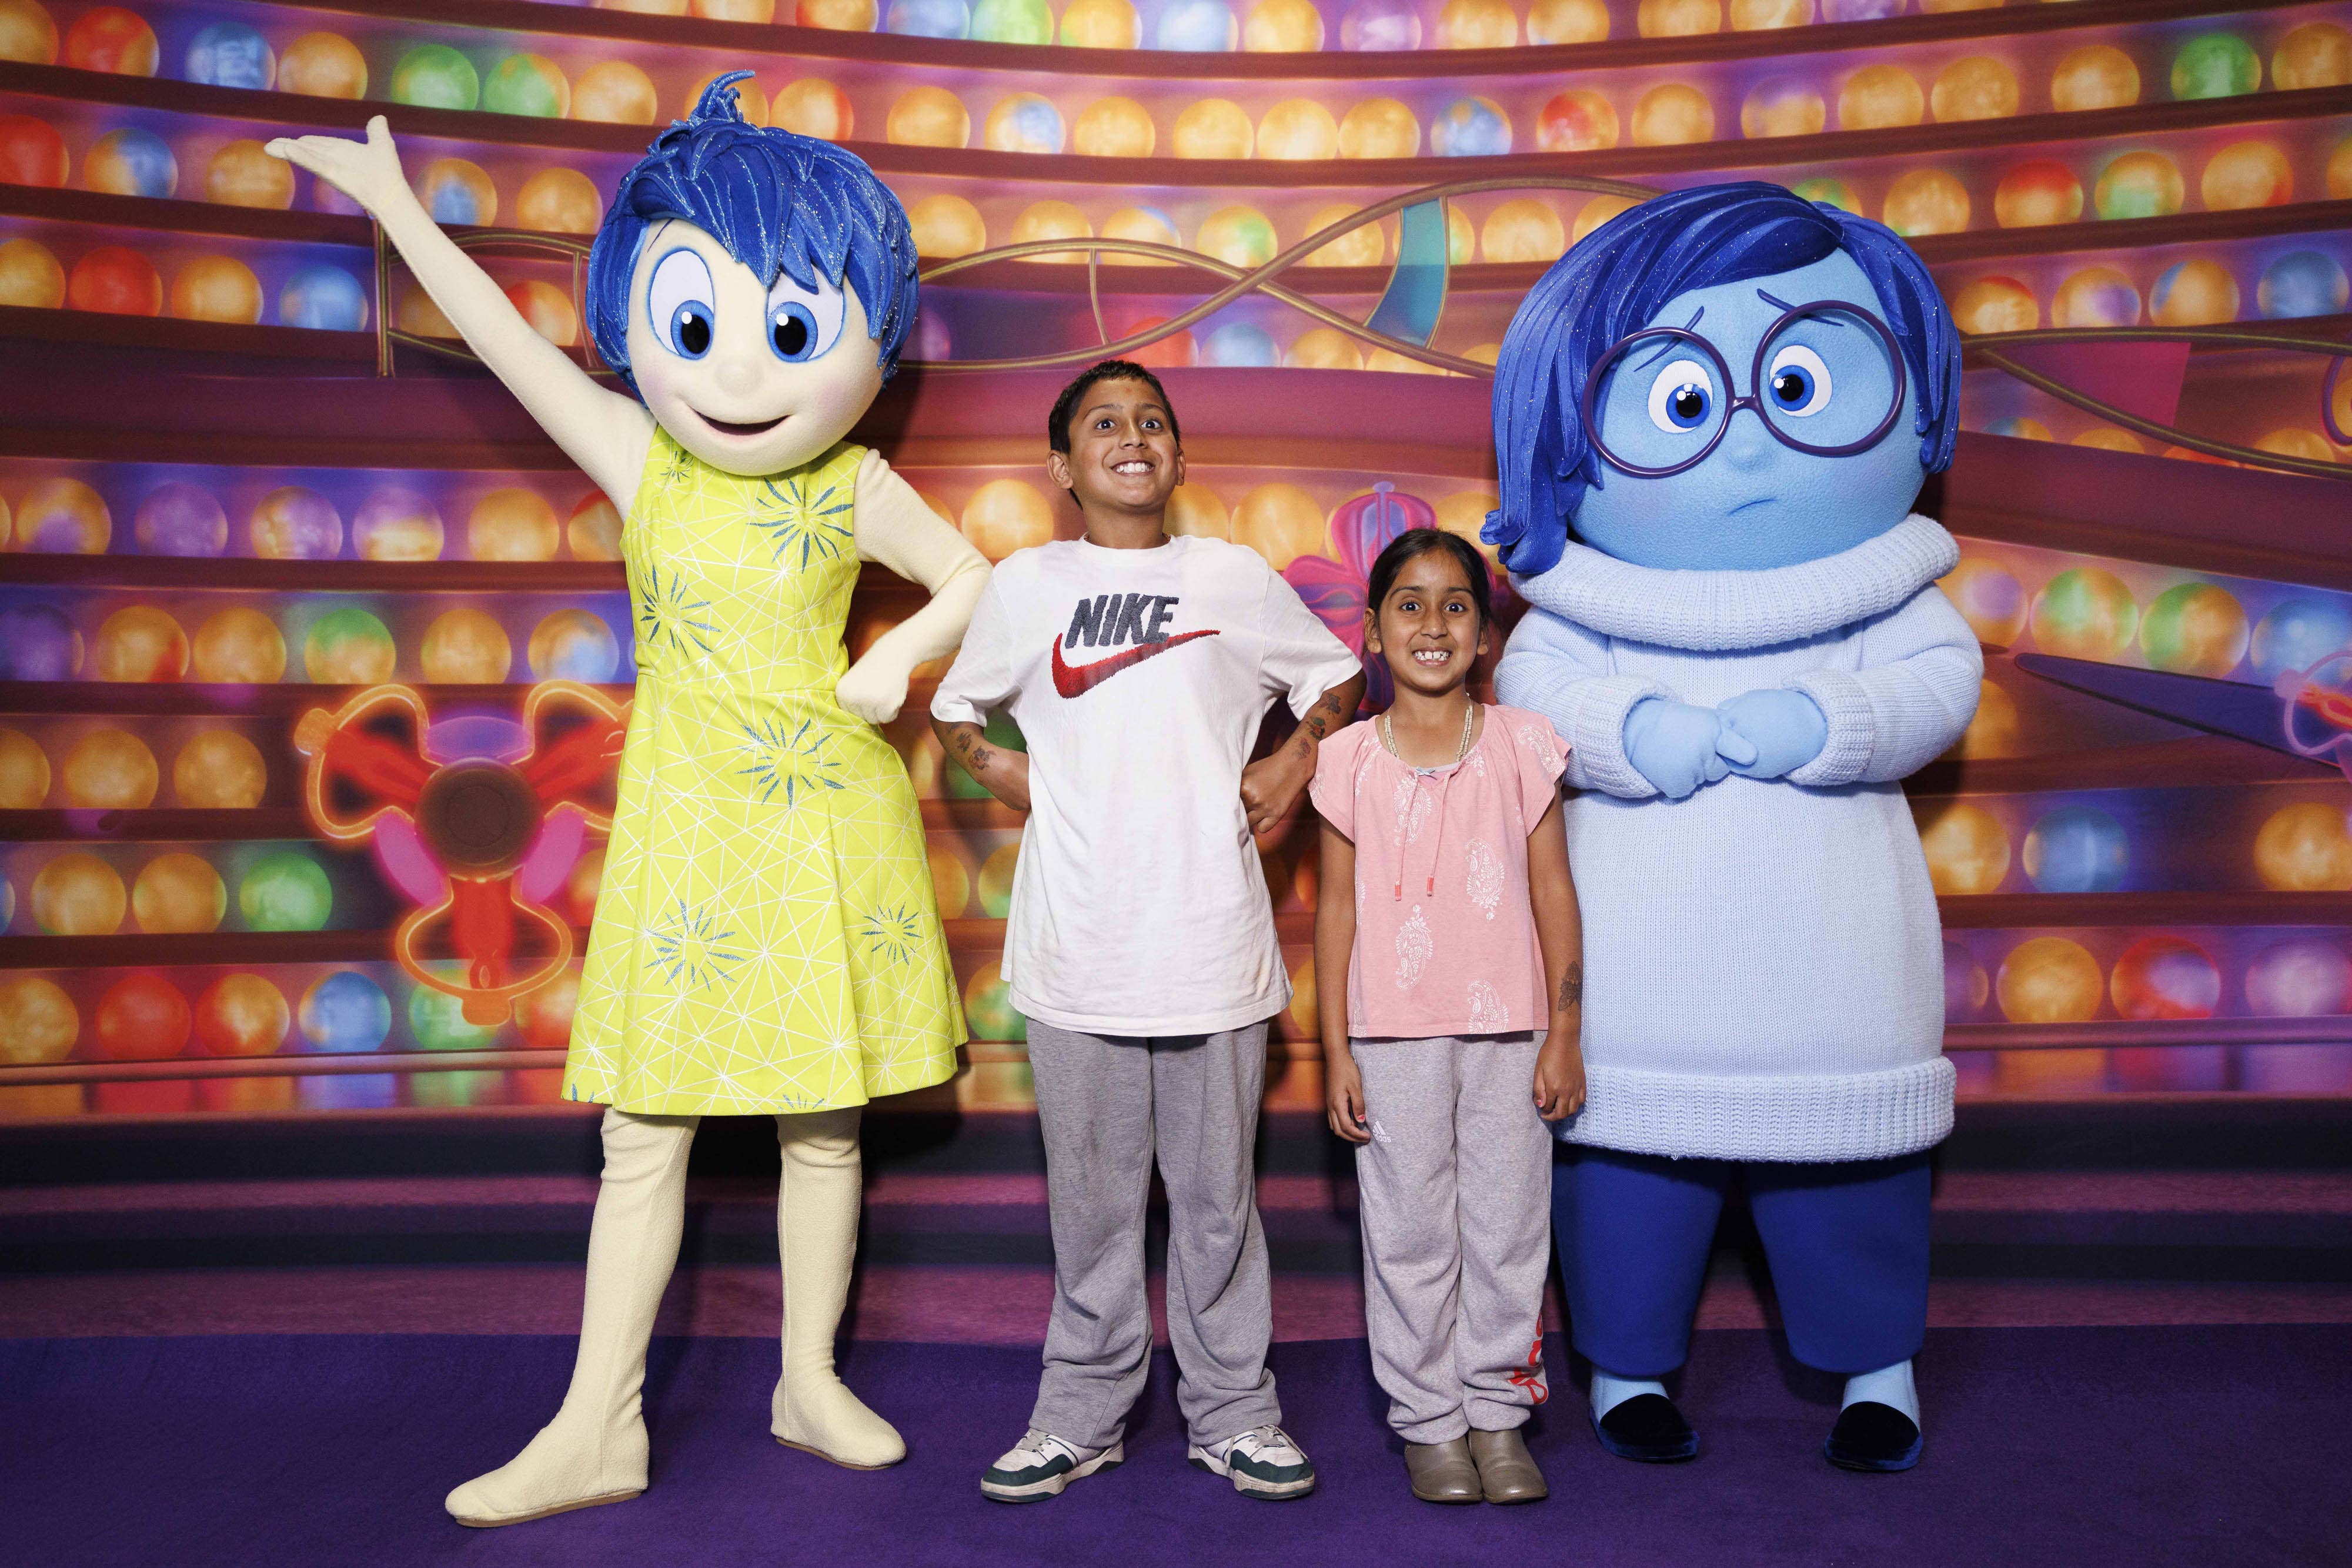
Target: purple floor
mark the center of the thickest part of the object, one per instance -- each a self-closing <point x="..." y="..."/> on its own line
<point x="2138" y="1445"/>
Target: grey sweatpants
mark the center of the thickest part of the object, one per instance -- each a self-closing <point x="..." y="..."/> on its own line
<point x="1105" y="1102"/>
<point x="1455" y="1200"/>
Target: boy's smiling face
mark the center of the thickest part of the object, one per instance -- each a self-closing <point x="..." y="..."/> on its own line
<point x="1123" y="458"/>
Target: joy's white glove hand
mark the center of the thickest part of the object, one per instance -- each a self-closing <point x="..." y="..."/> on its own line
<point x="367" y="172"/>
<point x="874" y="689"/>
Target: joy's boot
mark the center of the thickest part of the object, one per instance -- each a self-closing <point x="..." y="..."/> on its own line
<point x="816" y="1233"/>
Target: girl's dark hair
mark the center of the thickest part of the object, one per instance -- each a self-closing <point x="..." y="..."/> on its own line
<point x="1057" y="424"/>
<point x="1415" y="542"/>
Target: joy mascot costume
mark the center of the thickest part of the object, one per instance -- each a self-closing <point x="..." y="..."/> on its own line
<point x="1711" y="418"/>
<point x="765" y="940"/>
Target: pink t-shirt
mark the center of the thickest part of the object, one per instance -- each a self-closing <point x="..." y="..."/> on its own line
<point x="1446" y="937"/>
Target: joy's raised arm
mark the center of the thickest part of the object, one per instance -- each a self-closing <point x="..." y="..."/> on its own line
<point x="606" y="433"/>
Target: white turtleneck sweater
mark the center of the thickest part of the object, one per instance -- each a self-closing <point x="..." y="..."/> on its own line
<point x="1763" y="960"/>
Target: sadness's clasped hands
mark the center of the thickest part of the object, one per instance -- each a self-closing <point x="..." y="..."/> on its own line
<point x="1681" y="749"/>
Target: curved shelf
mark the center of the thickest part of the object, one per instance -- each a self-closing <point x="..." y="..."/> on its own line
<point x="169" y="572"/>
<point x="2204" y="761"/>
<point x="192" y="699"/>
<point x="2024" y="911"/>
<point x="177" y="824"/>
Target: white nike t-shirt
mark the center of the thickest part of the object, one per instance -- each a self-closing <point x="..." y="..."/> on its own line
<point x="1138" y="679"/>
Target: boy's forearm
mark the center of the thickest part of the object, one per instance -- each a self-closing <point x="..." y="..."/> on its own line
<point x="1331" y="711"/>
<point x="1004" y="773"/>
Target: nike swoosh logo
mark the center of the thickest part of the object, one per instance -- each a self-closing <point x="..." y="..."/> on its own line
<point x="1077" y="680"/>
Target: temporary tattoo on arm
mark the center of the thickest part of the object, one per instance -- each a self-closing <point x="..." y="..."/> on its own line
<point x="978" y="760"/>
<point x="1571" y="988"/>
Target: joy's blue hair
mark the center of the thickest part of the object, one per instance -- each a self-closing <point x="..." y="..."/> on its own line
<point x="1616" y="280"/>
<point x="778" y="201"/>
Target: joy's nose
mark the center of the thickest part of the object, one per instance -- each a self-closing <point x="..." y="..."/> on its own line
<point x="738" y="375"/>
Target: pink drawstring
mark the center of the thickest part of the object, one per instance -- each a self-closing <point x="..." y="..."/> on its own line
<point x="1437" y="839"/>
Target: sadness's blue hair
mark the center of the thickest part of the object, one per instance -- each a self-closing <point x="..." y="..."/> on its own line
<point x="778" y="201"/>
<point x="1616" y="280"/>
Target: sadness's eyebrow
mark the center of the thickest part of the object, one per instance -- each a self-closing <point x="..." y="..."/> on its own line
<point x="1668" y="345"/>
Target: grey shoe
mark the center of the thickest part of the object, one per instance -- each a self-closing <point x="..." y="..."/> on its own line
<point x="1041" y="1465"/>
<point x="1507" y="1471"/>
<point x="1442" y="1472"/>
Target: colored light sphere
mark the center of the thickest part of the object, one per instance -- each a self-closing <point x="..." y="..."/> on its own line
<point x="1281" y="522"/>
<point x="2139" y="185"/>
<point x="929" y="117"/>
<point x="2303" y="282"/>
<point x="1024" y="122"/>
<point x="2165" y="977"/>
<point x="2299" y="979"/>
<point x="38" y="1022"/>
<point x="1975" y="87"/>
<point x="529" y="85"/>
<point x="2097" y="76"/>
<point x="323" y="65"/>
<point x="465" y="647"/>
<point x="547" y="309"/>
<point x="179" y="894"/>
<point x="111" y="40"/>
<point x="28" y="36"/>
<point x="1576" y="120"/>
<point x="1052" y="220"/>
<point x="1678" y="18"/>
<point x="435" y="76"/>
<point x="1239" y="344"/>
<point x="1213" y="128"/>
<point x="1782" y="106"/>
<point x="988" y="1007"/>
<point x="78" y="894"/>
<point x="1470" y="128"/>
<point x="131" y="163"/>
<point x="230" y="54"/>
<point x="237" y="646"/>
<point x="1829" y="192"/>
<point x="558" y="201"/>
<point x="1988" y="597"/>
<point x="1011" y="22"/>
<point x="1477" y="25"/>
<point x="1197" y="27"/>
<point x="325" y="299"/>
<point x="1967" y="987"/>
<point x="1994" y="729"/>
<point x="2076" y="849"/>
<point x="946" y="226"/>
<point x="1283" y="27"/>
<point x="1524" y="229"/>
<point x="348" y="646"/>
<point x="2084" y="613"/>
<point x="457" y="191"/>
<point x="2035" y="193"/>
<point x="219" y="770"/>
<point x="2317" y="54"/>
<point x="182" y="519"/>
<point x="1996" y="305"/>
<point x="593" y="529"/>
<point x="242" y="174"/>
<point x="2247" y="174"/>
<point x="37" y="643"/>
<point x="1298" y="129"/>
<point x="1006" y="515"/>
<point x="1324" y="349"/>
<point x="544" y="1016"/>
<point x="1148" y="225"/>
<point x="24" y="775"/>
<point x="1881" y="98"/>
<point x="2215" y="65"/>
<point x="1967" y="848"/>
<point x="2297" y="635"/>
<point x="2198" y="293"/>
<point x="1101" y="25"/>
<point x="1237" y="236"/>
<point x="344" y="1011"/>
<point x="1375" y="26"/>
<point x="928" y="19"/>
<point x="1674" y="115"/>
<point x="2018" y="427"/>
<point x="141" y="1017"/>
<point x="30" y="275"/>
<point x="512" y="523"/>
<point x="2050" y="980"/>
<point x="139" y="643"/>
<point x="994" y="884"/>
<point x="1571" y="21"/>
<point x="295" y="523"/>
<point x="813" y="107"/>
<point x="1113" y="128"/>
<point x="438" y="1021"/>
<point x="2107" y="439"/>
<point x="285" y="891"/>
<point x="2194" y="629"/>
<point x="2304" y="848"/>
<point x="1926" y="201"/>
<point x="836" y="16"/>
<point x="615" y="93"/>
<point x="396" y="524"/>
<point x="64" y="517"/>
<point x="115" y="280"/>
<point x="31" y="152"/>
<point x="242" y="1015"/>
<point x="2095" y="297"/>
<point x="573" y="645"/>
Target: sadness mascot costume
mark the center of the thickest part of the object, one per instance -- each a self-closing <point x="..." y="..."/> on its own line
<point x="765" y="941"/>
<point x="1711" y="418"/>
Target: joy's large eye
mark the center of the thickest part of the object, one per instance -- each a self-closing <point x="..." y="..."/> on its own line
<point x="1682" y="397"/>
<point x="1800" y="381"/>
<point x="802" y="323"/>
<point x="682" y="303"/>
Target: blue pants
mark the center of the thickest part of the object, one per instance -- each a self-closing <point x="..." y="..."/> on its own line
<point x="1847" y="1242"/>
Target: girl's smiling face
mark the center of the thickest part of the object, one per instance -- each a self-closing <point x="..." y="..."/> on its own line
<point x="752" y="379"/>
<point x="1427" y="627"/>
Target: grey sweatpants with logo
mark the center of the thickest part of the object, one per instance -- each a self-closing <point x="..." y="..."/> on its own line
<point x="1455" y="1200"/>
<point x="1105" y="1104"/>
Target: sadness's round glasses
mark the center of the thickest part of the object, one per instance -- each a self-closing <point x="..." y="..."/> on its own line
<point x="1827" y="380"/>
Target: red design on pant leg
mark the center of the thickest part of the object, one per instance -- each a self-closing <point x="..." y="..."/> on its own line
<point x="1531" y="1377"/>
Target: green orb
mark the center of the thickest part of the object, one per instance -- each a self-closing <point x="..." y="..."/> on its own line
<point x="435" y="76"/>
<point x="988" y="1008"/>
<point x="1836" y="193"/>
<point x="438" y="1021"/>
<point x="348" y="646"/>
<point x="2195" y="629"/>
<point x="1012" y="22"/>
<point x="522" y="84"/>
<point x="286" y="890"/>
<point x="2215" y="65"/>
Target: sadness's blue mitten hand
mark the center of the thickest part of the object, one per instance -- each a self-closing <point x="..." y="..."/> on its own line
<point x="1678" y="747"/>
<point x="1782" y="729"/>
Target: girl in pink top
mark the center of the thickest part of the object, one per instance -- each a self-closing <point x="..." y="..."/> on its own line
<point x="1449" y="967"/>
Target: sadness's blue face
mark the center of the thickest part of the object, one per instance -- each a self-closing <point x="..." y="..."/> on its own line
<point x="1826" y="380"/>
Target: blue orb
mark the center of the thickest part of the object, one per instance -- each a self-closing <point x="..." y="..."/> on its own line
<point x="1470" y="128"/>
<point x="1860" y="10"/>
<point x="345" y="1011"/>
<point x="230" y="54"/>
<point x="325" y="298"/>
<point x="37" y="643"/>
<point x="2303" y="282"/>
<point x="1201" y="26"/>
<point x="2297" y="635"/>
<point x="2077" y="849"/>
<point x="132" y="163"/>
<point x="1380" y="24"/>
<point x="1237" y="343"/>
<point x="930" y="19"/>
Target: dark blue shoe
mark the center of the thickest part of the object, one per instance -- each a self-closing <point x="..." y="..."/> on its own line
<point x="1646" y="1427"/>
<point x="1873" y="1438"/>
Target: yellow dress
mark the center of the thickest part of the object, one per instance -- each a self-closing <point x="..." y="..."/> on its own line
<point x="766" y="937"/>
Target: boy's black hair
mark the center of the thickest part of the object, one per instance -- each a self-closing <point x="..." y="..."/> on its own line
<point x="1415" y="542"/>
<point x="1057" y="424"/>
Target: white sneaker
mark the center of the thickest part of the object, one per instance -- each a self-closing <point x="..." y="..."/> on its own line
<point x="1040" y="1465"/>
<point x="1263" y="1462"/>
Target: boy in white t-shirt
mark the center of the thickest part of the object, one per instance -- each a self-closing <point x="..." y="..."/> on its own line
<point x="1141" y="943"/>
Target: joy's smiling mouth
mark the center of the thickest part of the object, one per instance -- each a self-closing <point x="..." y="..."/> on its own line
<point x="726" y="428"/>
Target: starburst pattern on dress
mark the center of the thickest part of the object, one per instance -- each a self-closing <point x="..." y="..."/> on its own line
<point x="677" y="468"/>
<point x="669" y="617"/>
<point x="806" y="511"/>
<point x="692" y="951"/>
<point x="789" y="759"/>
<point x="894" y="934"/>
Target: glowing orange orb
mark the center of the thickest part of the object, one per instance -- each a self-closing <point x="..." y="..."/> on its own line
<point x="2050" y="980"/>
<point x="1101" y="25"/>
<point x="1993" y="730"/>
<point x="294" y="523"/>
<point x="27" y="35"/>
<point x="512" y="523"/>
<point x="242" y="1015"/>
<point x="216" y="289"/>
<point x="2097" y="76"/>
<point x="1113" y="128"/>
<point x="2317" y="54"/>
<point x="1966" y="847"/>
<point x="1052" y="220"/>
<point x="1213" y="128"/>
<point x="1281" y="522"/>
<point x="815" y="106"/>
<point x="1767" y="15"/>
<point x="322" y="64"/>
<point x="1574" y="21"/>
<point x="1597" y="212"/>
<point x="558" y="202"/>
<point x="2296" y="443"/>
<point x="1383" y="127"/>
<point x="23" y="773"/>
<point x="78" y="894"/>
<point x="1324" y="349"/>
<point x="2199" y="293"/>
<point x="594" y="530"/>
<point x="2247" y="174"/>
<point x="37" y="1022"/>
<point x="1782" y="106"/>
<point x="1140" y="223"/>
<point x="1478" y="24"/>
<point x="1996" y="305"/>
<point x="239" y="646"/>
<point x="64" y="517"/>
<point x="1464" y="514"/>
<point x="1007" y="515"/>
<point x="548" y="308"/>
<point x="1926" y="201"/>
<point x="1523" y="229"/>
<point x="946" y="226"/>
<point x="1880" y="97"/>
<point x="419" y="315"/>
<point x="2304" y="848"/>
<point x="1296" y="129"/>
<point x="31" y="275"/>
<point x="2036" y="194"/>
<point x="1195" y="511"/>
<point x="1974" y="87"/>
<point x="615" y="93"/>
<point x="1678" y="18"/>
<point x="2095" y="297"/>
<point x="1672" y="115"/>
<point x="179" y="894"/>
<point x="140" y="643"/>
<point x="836" y="16"/>
<point x="926" y="117"/>
<point x="2107" y="439"/>
<point x="1577" y="120"/>
<point x="465" y="647"/>
<point x="1365" y="247"/>
<point x="219" y="770"/>
<point x="1283" y="27"/>
<point x="242" y="175"/>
